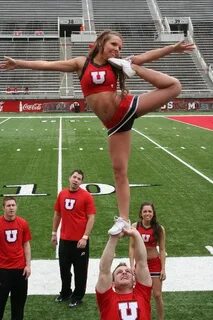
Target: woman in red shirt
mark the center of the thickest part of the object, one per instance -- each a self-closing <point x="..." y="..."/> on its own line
<point x="153" y="235"/>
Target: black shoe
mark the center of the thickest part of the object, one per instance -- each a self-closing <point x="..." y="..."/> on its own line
<point x="61" y="298"/>
<point x="75" y="303"/>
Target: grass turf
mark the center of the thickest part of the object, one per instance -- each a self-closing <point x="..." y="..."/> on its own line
<point x="182" y="197"/>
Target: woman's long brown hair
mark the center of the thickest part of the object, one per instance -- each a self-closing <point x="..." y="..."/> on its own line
<point x="157" y="229"/>
<point x="98" y="46"/>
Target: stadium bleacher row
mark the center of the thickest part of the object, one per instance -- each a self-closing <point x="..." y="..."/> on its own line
<point x="30" y="30"/>
<point x="201" y="14"/>
<point x="31" y="15"/>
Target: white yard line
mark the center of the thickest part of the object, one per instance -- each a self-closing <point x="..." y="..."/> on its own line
<point x="91" y="115"/>
<point x="60" y="156"/>
<point x="50" y="117"/>
<point x="59" y="173"/>
<point x="4" y="120"/>
<point x="176" y="157"/>
<point x="183" y="274"/>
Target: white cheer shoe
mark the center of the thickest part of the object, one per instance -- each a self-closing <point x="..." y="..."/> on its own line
<point x="123" y="65"/>
<point x="118" y="226"/>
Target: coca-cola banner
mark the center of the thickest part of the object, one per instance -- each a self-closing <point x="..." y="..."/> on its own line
<point x="42" y="106"/>
<point x="79" y="105"/>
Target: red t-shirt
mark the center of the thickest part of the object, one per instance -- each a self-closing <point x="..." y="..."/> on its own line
<point x="134" y="306"/>
<point x="13" y="235"/>
<point x="74" y="208"/>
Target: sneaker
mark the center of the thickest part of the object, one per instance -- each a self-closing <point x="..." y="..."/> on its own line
<point x="124" y="65"/>
<point x="74" y="304"/>
<point x="61" y="298"/>
<point x="118" y="226"/>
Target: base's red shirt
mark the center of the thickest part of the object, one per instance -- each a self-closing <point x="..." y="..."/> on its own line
<point x="134" y="306"/>
<point x="13" y="235"/>
<point x="74" y="207"/>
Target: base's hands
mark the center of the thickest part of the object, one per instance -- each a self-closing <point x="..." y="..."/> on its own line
<point x="8" y="64"/>
<point x="183" y="47"/>
<point x="130" y="231"/>
<point x="119" y="235"/>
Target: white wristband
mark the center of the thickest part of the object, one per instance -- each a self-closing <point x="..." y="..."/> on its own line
<point x="85" y="237"/>
<point x="54" y="233"/>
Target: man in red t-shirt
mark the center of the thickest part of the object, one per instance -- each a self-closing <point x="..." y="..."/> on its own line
<point x="75" y="209"/>
<point x="122" y="295"/>
<point x="15" y="259"/>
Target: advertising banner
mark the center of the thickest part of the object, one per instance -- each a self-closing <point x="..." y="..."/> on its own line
<point x="79" y="105"/>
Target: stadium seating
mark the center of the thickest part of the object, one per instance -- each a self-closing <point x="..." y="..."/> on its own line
<point x="29" y="30"/>
<point x="38" y="83"/>
<point x="201" y="14"/>
<point x="28" y="16"/>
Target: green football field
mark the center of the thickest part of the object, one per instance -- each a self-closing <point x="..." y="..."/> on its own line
<point x="170" y="165"/>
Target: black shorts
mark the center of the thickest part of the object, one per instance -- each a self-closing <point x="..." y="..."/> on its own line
<point x="128" y="120"/>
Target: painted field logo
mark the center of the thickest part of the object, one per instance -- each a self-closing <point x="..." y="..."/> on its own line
<point x="23" y="190"/>
<point x="96" y="189"/>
